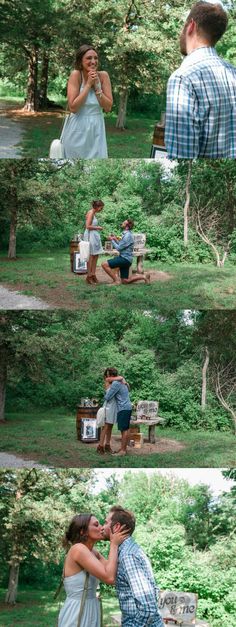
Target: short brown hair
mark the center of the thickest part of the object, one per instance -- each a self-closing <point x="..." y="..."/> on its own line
<point x="80" y="53"/>
<point x="122" y="516"/>
<point x="211" y="20"/>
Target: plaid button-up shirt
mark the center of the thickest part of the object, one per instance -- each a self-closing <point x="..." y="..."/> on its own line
<point x="201" y="108"/>
<point x="136" y="587"/>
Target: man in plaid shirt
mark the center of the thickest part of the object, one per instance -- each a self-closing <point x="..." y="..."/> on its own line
<point x="135" y="584"/>
<point x="201" y="94"/>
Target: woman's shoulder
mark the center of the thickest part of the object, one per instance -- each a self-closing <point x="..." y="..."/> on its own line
<point x="78" y="547"/>
<point x="75" y="75"/>
<point x="103" y="74"/>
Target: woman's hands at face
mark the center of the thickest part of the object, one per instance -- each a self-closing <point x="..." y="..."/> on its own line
<point x="117" y="537"/>
<point x="91" y="78"/>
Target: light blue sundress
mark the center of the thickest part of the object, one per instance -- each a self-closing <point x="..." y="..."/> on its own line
<point x="85" y="136"/>
<point x="74" y="586"/>
<point x="93" y="237"/>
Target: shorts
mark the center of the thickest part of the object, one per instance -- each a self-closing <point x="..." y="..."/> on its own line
<point x="122" y="263"/>
<point x="123" y="419"/>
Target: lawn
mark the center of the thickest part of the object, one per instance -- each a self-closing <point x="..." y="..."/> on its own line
<point x="38" y="608"/>
<point x="49" y="437"/>
<point x="179" y="286"/>
<point x="134" y="142"/>
<point x="42" y="127"/>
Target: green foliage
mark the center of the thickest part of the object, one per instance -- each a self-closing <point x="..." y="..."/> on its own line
<point x="172" y="518"/>
<point x="51" y="204"/>
<point x="55" y="358"/>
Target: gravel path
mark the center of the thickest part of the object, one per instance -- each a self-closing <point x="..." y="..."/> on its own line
<point x="11" y="461"/>
<point x="11" y="133"/>
<point x="16" y="300"/>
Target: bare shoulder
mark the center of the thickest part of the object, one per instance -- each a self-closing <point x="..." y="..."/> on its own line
<point x="78" y="549"/>
<point x="103" y="74"/>
<point x="75" y="77"/>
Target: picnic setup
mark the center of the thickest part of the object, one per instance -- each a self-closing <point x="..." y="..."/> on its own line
<point x="145" y="414"/>
<point x="79" y="265"/>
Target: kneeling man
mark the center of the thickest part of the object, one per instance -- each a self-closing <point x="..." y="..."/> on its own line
<point x="123" y="261"/>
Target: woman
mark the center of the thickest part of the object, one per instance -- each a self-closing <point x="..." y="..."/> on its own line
<point x="92" y="236"/>
<point x="104" y="445"/>
<point x="89" y="94"/>
<point x="84" y="531"/>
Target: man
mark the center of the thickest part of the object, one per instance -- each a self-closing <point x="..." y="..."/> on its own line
<point x="201" y="94"/>
<point x="123" y="261"/>
<point x="135" y="584"/>
<point x="120" y="392"/>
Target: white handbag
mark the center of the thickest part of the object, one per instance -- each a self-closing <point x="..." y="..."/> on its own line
<point x="56" y="150"/>
<point x="101" y="416"/>
<point x="84" y="250"/>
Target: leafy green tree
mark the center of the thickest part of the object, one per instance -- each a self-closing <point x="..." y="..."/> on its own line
<point x="35" y="506"/>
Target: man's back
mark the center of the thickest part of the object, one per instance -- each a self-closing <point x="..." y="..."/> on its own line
<point x="201" y="107"/>
<point x="136" y="587"/>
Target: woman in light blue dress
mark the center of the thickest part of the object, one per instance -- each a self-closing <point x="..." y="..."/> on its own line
<point x="92" y="236"/>
<point x="84" y="567"/>
<point x="89" y="94"/>
<point x="104" y="446"/>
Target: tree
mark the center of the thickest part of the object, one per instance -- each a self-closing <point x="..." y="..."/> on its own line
<point x="204" y="378"/>
<point x="40" y="18"/>
<point x="225" y="385"/>
<point x="35" y="506"/>
<point x="207" y="233"/>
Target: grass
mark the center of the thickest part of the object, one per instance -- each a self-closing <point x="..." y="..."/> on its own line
<point x="37" y="607"/>
<point x="49" y="437"/>
<point x="47" y="275"/>
<point x="42" y="127"/>
<point x="134" y="142"/>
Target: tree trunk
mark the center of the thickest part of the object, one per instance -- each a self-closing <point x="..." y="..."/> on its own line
<point x="13" y="225"/>
<point x="44" y="81"/>
<point x="121" y="118"/>
<point x="187" y="203"/>
<point x="31" y="102"/>
<point x="3" y="380"/>
<point x="204" y="379"/>
<point x="11" y="594"/>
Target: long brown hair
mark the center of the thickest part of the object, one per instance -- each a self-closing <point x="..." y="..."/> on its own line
<point x="80" y="53"/>
<point x="77" y="530"/>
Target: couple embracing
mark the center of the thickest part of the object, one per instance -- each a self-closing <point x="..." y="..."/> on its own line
<point x="127" y="567"/>
<point x="117" y="409"/>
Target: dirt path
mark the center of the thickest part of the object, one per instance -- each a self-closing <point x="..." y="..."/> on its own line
<point x="11" y="132"/>
<point x="61" y="295"/>
<point x="14" y="300"/>
<point x="12" y="461"/>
